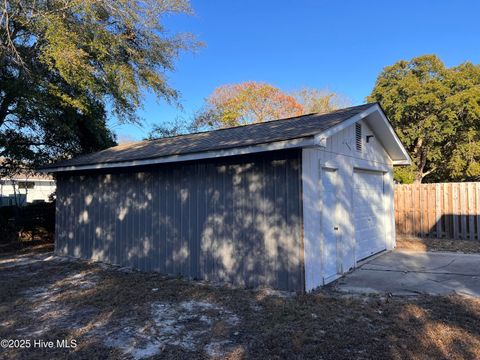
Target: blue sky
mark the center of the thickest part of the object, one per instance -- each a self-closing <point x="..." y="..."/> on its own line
<point x="339" y="45"/>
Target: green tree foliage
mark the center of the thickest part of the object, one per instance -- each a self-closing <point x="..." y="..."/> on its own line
<point x="179" y="126"/>
<point x="63" y="63"/>
<point x="436" y="113"/>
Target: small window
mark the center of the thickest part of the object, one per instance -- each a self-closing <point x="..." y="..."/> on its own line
<point x="358" y="136"/>
<point x="26" y="184"/>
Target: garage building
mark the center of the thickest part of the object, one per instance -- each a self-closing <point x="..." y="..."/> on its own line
<point x="289" y="204"/>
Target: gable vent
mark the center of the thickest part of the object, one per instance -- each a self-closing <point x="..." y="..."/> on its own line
<point x="358" y="136"/>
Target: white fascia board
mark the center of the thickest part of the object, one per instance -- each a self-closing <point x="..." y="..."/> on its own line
<point x="279" y="145"/>
<point x="407" y="160"/>
<point x="28" y="180"/>
<point x="402" y="162"/>
<point x="321" y="139"/>
<point x="344" y="124"/>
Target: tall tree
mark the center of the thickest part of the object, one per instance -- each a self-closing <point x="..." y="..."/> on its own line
<point x="179" y="126"/>
<point x="319" y="101"/>
<point x="246" y="103"/>
<point x="436" y="112"/>
<point x="64" y="62"/>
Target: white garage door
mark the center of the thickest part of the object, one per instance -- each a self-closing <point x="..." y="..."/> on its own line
<point x="369" y="212"/>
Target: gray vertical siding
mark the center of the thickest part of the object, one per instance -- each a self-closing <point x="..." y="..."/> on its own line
<point x="236" y="220"/>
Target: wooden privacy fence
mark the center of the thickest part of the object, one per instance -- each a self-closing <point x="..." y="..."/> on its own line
<point x="446" y="210"/>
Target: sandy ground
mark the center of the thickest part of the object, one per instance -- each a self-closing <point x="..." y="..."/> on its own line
<point x="427" y="244"/>
<point x="114" y="313"/>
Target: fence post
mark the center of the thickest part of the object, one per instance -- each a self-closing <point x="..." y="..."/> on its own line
<point x="477" y="207"/>
<point x="447" y="210"/>
<point x="471" y="220"/>
<point x="455" y="216"/>
<point x="438" y="211"/>
<point x="443" y="210"/>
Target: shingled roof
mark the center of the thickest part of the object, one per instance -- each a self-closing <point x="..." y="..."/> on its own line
<point x="262" y="133"/>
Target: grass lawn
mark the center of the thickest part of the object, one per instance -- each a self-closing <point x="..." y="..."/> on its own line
<point x="119" y="313"/>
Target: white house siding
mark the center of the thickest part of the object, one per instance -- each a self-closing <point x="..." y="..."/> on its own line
<point x="41" y="191"/>
<point x="340" y="153"/>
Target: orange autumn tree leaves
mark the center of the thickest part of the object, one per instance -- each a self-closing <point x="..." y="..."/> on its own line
<point x="246" y="103"/>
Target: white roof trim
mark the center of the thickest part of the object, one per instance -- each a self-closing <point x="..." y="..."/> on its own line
<point x="279" y="145"/>
<point x="344" y="124"/>
<point x="407" y="160"/>
<point x="321" y="138"/>
<point x="311" y="141"/>
<point x="402" y="162"/>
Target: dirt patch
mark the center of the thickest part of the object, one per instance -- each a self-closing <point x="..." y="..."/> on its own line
<point x="426" y="244"/>
<point x="112" y="313"/>
<point x="189" y="325"/>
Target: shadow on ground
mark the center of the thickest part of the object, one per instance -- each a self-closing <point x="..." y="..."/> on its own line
<point x="119" y="313"/>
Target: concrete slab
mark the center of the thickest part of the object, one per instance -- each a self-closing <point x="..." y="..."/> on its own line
<point x="412" y="273"/>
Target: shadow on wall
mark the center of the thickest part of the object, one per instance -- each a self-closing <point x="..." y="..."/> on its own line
<point x="236" y="220"/>
<point x="353" y="218"/>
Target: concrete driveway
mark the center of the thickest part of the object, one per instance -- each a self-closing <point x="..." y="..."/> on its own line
<point x="410" y="273"/>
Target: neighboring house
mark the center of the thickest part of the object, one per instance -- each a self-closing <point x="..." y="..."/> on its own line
<point x="24" y="188"/>
<point x="290" y="204"/>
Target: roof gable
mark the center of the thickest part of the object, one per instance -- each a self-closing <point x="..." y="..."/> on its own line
<point x="265" y="136"/>
<point x="377" y="121"/>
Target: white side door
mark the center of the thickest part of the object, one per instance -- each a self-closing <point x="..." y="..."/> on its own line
<point x="331" y="249"/>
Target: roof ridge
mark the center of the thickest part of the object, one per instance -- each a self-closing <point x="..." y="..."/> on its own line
<point x="248" y="134"/>
<point x="228" y="128"/>
<point x="258" y="123"/>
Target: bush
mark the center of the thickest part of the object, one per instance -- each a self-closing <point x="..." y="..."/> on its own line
<point x="29" y="222"/>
